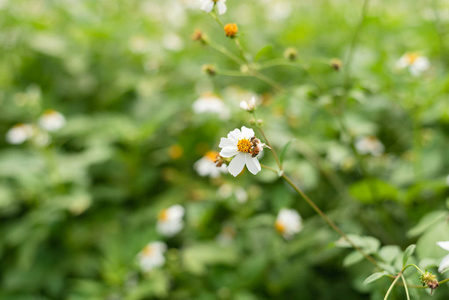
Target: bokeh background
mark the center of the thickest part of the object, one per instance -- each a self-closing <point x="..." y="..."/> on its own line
<point x="75" y="213"/>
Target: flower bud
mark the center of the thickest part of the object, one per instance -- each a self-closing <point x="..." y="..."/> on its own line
<point x="209" y="70"/>
<point x="336" y="64"/>
<point x="198" y="36"/>
<point x="291" y="53"/>
<point x="231" y="29"/>
<point x="430" y="280"/>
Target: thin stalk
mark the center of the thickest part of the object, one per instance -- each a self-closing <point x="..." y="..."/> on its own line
<point x="224" y="51"/>
<point x="214" y="16"/>
<point x="269" y="168"/>
<point x="232" y="73"/>
<point x="415" y="266"/>
<point x="391" y="287"/>
<point x="405" y="287"/>
<point x="327" y="220"/>
<point x="271" y="148"/>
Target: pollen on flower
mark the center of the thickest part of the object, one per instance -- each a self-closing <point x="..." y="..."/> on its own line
<point x="279" y="227"/>
<point x="412" y="57"/>
<point x="148" y="250"/>
<point x="244" y="145"/>
<point x="211" y="155"/>
<point x="231" y="29"/>
<point x="163" y="215"/>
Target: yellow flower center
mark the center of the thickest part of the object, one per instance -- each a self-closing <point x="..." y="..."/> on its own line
<point x="211" y="155"/>
<point x="244" y="145"/>
<point x="279" y="227"/>
<point x="231" y="29"/>
<point x="147" y="251"/>
<point x="412" y="57"/>
<point x="163" y="215"/>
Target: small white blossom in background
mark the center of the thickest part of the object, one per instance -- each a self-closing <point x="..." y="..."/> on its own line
<point x="288" y="223"/>
<point x="41" y="138"/>
<point x="249" y="105"/>
<point x="445" y="262"/>
<point x="208" y="5"/>
<point x="241" y="195"/>
<point x="415" y="63"/>
<point x="172" y="42"/>
<point x="51" y="120"/>
<point x="209" y="103"/>
<point x="238" y="145"/>
<point x="169" y="221"/>
<point x="206" y="166"/>
<point x="20" y="133"/>
<point x="369" y="145"/>
<point x="152" y="256"/>
<point x="139" y="44"/>
<point x="225" y="191"/>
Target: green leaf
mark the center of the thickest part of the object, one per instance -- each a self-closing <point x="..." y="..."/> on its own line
<point x="409" y="251"/>
<point x="427" y="222"/>
<point x="373" y="190"/>
<point x="389" y="253"/>
<point x="374" y="277"/>
<point x="352" y="258"/>
<point x="265" y="51"/>
<point x="284" y="150"/>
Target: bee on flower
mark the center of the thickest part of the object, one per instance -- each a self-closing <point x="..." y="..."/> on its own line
<point x="208" y="165"/>
<point x="152" y="256"/>
<point x="209" y="103"/>
<point x="20" y="133"/>
<point x="244" y="147"/>
<point x="249" y="105"/>
<point x="415" y="63"/>
<point x="369" y="145"/>
<point x="51" y="120"/>
<point x="288" y="223"/>
<point x="169" y="221"/>
<point x="208" y="5"/>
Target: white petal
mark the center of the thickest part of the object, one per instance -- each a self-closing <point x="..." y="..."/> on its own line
<point x="247" y="132"/>
<point x="444" y="245"/>
<point x="175" y="212"/>
<point x="221" y="7"/>
<point x="208" y="6"/>
<point x="235" y="135"/>
<point x="229" y="151"/>
<point x="237" y="164"/>
<point x="225" y="142"/>
<point x="444" y="264"/>
<point x="252" y="163"/>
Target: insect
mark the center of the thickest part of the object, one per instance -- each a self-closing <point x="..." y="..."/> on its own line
<point x="256" y="146"/>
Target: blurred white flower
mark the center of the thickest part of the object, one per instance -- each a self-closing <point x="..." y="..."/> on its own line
<point x="172" y="41"/>
<point x="238" y="145"/>
<point x="208" y="5"/>
<point x="209" y="103"/>
<point x="152" y="256"/>
<point x="206" y="166"/>
<point x="19" y="133"/>
<point x="445" y="262"/>
<point x="41" y="138"/>
<point x="241" y="195"/>
<point x="169" y="221"/>
<point x="139" y="44"/>
<point x="369" y="144"/>
<point x="288" y="223"/>
<point x="51" y="120"/>
<point x="249" y="105"/>
<point x="226" y="190"/>
<point x="416" y="63"/>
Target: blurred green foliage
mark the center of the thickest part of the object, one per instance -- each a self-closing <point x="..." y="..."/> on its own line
<point x="74" y="214"/>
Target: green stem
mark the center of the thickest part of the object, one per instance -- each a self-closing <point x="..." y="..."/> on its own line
<point x="391" y="286"/>
<point x="405" y="287"/>
<point x="214" y="16"/>
<point x="271" y="148"/>
<point x="415" y="266"/>
<point x="233" y="73"/>
<point x="269" y="168"/>
<point x="224" y="51"/>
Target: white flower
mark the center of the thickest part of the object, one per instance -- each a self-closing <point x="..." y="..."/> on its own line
<point x="170" y="221"/>
<point x="209" y="103"/>
<point x="369" y="144"/>
<point x="225" y="191"/>
<point x="249" y="105"/>
<point x="206" y="165"/>
<point x="51" y="120"/>
<point x="414" y="62"/>
<point x="152" y="256"/>
<point x="445" y="262"/>
<point x="238" y="144"/>
<point x="288" y="223"/>
<point x="208" y="5"/>
<point x="19" y="133"/>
